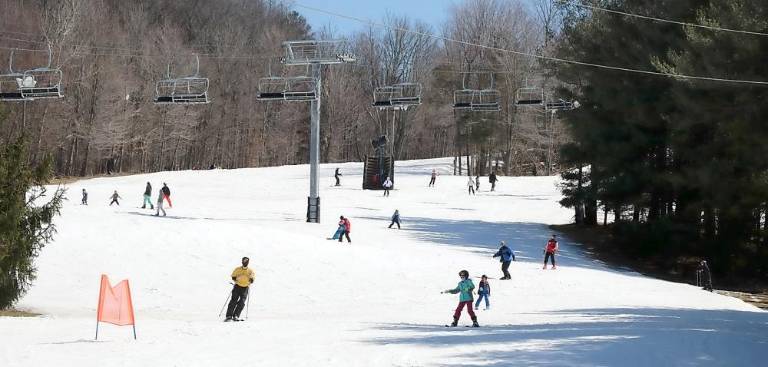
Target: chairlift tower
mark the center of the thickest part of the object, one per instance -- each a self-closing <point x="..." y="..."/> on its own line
<point x="315" y="53"/>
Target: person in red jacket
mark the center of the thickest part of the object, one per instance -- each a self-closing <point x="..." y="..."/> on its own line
<point x="549" y="251"/>
<point x="347" y="228"/>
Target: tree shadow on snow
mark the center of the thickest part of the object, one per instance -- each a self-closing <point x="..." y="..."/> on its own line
<point x="527" y="240"/>
<point x="602" y="337"/>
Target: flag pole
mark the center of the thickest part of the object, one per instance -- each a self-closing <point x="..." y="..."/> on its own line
<point x="97" y="330"/>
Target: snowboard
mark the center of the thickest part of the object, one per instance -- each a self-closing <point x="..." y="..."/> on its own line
<point x="337" y="234"/>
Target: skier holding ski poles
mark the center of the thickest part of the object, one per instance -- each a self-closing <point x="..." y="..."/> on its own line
<point x="464" y="288"/>
<point x="148" y="197"/>
<point x="243" y="278"/>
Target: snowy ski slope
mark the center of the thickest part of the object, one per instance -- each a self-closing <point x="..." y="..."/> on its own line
<point x="376" y="302"/>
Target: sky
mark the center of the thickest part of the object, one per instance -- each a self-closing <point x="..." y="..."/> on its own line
<point x="432" y="12"/>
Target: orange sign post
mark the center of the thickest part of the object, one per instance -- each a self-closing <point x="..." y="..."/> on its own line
<point x="115" y="305"/>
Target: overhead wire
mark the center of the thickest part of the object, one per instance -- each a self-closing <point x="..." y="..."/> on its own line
<point x="661" y="20"/>
<point x="528" y="54"/>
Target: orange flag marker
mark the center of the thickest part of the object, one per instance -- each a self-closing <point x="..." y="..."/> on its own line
<point x="115" y="305"/>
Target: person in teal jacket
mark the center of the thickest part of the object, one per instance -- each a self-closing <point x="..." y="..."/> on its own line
<point x="464" y="288"/>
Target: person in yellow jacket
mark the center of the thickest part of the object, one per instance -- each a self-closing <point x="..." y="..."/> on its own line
<point x="243" y="277"/>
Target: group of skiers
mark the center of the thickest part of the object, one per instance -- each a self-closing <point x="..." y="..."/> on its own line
<point x="466" y="287"/>
<point x="164" y="194"/>
<point x="473" y="184"/>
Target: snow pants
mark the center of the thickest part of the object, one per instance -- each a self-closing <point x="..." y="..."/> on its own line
<point x="547" y="256"/>
<point x="493" y="186"/>
<point x="386" y="192"/>
<point x="147" y="200"/>
<point x="457" y="314"/>
<point x="338" y="183"/>
<point x="160" y="207"/>
<point x="393" y="223"/>
<point x="341" y="236"/>
<point x="237" y="302"/>
<point x="432" y="182"/>
<point x="480" y="298"/>
<point x="505" y="269"/>
<point x="114" y="201"/>
<point x="471" y="190"/>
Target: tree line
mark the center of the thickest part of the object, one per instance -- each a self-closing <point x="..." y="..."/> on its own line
<point x="680" y="164"/>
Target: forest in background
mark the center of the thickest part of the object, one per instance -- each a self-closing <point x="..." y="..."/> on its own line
<point x="112" y="53"/>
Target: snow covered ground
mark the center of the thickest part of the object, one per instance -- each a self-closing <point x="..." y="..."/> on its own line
<point x="375" y="302"/>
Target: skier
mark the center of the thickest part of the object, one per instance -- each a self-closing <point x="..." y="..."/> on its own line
<point x="84" y="200"/>
<point x="705" y="276"/>
<point x="114" y="197"/>
<point x="160" y="199"/>
<point x="243" y="278"/>
<point x="477" y="183"/>
<point x="432" y="180"/>
<point x="549" y="251"/>
<point x="336" y="176"/>
<point x="492" y="179"/>
<point x="471" y="185"/>
<point x="167" y="194"/>
<point x="148" y="197"/>
<point x="483" y="292"/>
<point x="507" y="256"/>
<point x="347" y="228"/>
<point x="395" y="219"/>
<point x="464" y="288"/>
<point x="387" y="185"/>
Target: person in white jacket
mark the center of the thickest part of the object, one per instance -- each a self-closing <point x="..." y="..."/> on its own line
<point x="387" y="185"/>
<point x="471" y="185"/>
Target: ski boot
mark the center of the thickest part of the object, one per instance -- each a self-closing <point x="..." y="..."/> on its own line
<point x="455" y="322"/>
<point x="228" y="319"/>
<point x="474" y="322"/>
<point x="545" y="267"/>
<point x="554" y="267"/>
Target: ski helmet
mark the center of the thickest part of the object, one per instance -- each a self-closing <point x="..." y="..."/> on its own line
<point x="464" y="274"/>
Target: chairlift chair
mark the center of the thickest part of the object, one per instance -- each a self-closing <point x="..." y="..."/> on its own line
<point x="406" y="94"/>
<point x="560" y="105"/>
<point x="529" y="96"/>
<point x="42" y="82"/>
<point x="185" y="90"/>
<point x="486" y="100"/>
<point x="302" y="88"/>
<point x="9" y="84"/>
<point x="462" y="99"/>
<point x="272" y="89"/>
<point x="382" y="96"/>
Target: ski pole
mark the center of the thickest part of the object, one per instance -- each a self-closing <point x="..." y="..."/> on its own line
<point x="225" y="303"/>
<point x="247" y="303"/>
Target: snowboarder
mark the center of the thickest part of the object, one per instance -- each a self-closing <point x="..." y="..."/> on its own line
<point x="483" y="292"/>
<point x="336" y="176"/>
<point x="507" y="256"/>
<point x="705" y="276"/>
<point x="114" y="197"/>
<point x="148" y="197"/>
<point x="464" y="288"/>
<point x="84" y="200"/>
<point x="387" y="185"/>
<point x="243" y="278"/>
<point x="347" y="228"/>
<point x="395" y="219"/>
<point x="549" y="251"/>
<point x="434" y="177"/>
<point x="477" y="183"/>
<point x="492" y="179"/>
<point x="471" y="185"/>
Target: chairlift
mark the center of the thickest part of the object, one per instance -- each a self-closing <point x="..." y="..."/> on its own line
<point x="529" y="96"/>
<point x="406" y="94"/>
<point x="302" y="88"/>
<point x="382" y="96"/>
<point x="41" y="83"/>
<point x="272" y="89"/>
<point x="462" y="99"/>
<point x="486" y="100"/>
<point x="561" y="105"/>
<point x="9" y="84"/>
<point x="185" y="90"/>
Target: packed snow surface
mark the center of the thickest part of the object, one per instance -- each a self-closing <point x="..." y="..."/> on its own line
<point x="375" y="302"/>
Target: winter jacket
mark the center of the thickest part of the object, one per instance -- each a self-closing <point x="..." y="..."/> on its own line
<point x="492" y="178"/>
<point x="396" y="217"/>
<point x="148" y="190"/>
<point x="387" y="184"/>
<point x="115" y="196"/>
<point x="471" y="182"/>
<point x="242" y="276"/>
<point x="465" y="289"/>
<point x="505" y="253"/>
<point x="166" y="190"/>
<point x="347" y="225"/>
<point x="484" y="288"/>
<point x="551" y="246"/>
